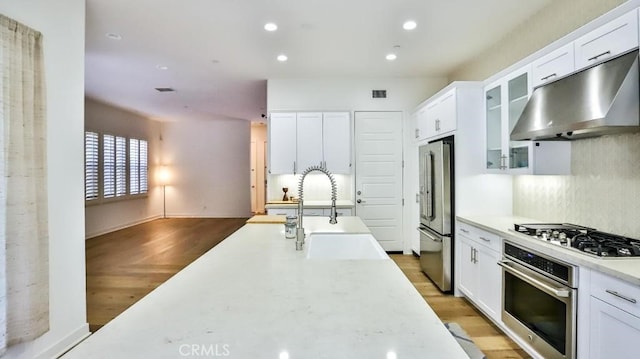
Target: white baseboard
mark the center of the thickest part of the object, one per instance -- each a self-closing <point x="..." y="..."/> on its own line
<point x="64" y="345"/>
<point x="189" y="215"/>
<point x="122" y="226"/>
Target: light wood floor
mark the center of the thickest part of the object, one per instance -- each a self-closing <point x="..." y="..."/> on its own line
<point x="493" y="343"/>
<point x="126" y="265"/>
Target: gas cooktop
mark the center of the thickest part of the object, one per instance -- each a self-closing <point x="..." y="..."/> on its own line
<point x="587" y="240"/>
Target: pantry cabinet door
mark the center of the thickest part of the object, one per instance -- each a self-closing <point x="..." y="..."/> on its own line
<point x="309" y="133"/>
<point x="282" y="143"/>
<point x="336" y="141"/>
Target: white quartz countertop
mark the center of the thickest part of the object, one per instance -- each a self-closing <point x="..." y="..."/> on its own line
<point x="622" y="268"/>
<point x="310" y="204"/>
<point x="255" y="296"/>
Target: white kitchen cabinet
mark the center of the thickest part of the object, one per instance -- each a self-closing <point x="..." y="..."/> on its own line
<point x="282" y="142"/>
<point x="437" y="117"/>
<point x="281" y="211"/>
<point x="480" y="277"/>
<point x="304" y="139"/>
<point x="609" y="40"/>
<point x="313" y="212"/>
<point x="319" y="211"/>
<point x="336" y="141"/>
<point x="309" y="140"/>
<point x="467" y="283"/>
<point x="504" y="102"/>
<point x="554" y="65"/>
<point x="614" y="314"/>
<point x="614" y="333"/>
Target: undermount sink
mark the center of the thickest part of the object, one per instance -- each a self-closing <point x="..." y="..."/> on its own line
<point x="344" y="246"/>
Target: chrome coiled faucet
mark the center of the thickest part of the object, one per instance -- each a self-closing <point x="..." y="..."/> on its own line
<point x="334" y="213"/>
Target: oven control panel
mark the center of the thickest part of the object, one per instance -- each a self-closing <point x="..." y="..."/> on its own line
<point x="554" y="269"/>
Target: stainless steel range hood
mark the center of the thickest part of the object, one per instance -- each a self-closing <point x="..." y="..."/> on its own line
<point x="599" y="100"/>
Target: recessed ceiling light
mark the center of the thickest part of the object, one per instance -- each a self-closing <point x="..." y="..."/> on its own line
<point x="113" y="36"/>
<point x="409" y="25"/>
<point x="391" y="57"/>
<point x="270" y="26"/>
<point x="162" y="67"/>
<point x="282" y="58"/>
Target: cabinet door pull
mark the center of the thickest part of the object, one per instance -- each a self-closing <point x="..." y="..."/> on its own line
<point x="597" y="56"/>
<point x="464" y="230"/>
<point x="614" y="293"/>
<point x="503" y="162"/>
<point x="484" y="239"/>
<point x="549" y="76"/>
<point x="294" y="167"/>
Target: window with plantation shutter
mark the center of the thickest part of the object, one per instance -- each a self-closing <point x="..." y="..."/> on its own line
<point x="144" y="169"/>
<point x="91" y="166"/>
<point x="138" y="171"/>
<point x="108" y="166"/>
<point x="121" y="166"/>
<point x="115" y="167"/>
<point x="134" y="166"/>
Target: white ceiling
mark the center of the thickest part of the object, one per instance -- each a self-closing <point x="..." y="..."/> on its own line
<point x="219" y="56"/>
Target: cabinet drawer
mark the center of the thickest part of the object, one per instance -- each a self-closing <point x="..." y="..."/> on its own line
<point x="480" y="236"/>
<point x="553" y="66"/>
<point x="313" y="212"/>
<point x="341" y="212"/>
<point x="616" y="292"/>
<point x="281" y="211"/>
<point x="608" y="40"/>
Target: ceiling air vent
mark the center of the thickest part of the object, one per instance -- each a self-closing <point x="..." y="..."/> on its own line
<point x="164" y="89"/>
<point x="379" y="93"/>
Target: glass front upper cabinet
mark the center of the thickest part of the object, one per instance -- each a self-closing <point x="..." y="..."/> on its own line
<point x="518" y="96"/>
<point x="494" y="127"/>
<point x="505" y="100"/>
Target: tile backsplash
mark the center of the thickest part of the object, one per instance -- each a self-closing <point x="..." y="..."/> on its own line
<point x="317" y="187"/>
<point x="603" y="190"/>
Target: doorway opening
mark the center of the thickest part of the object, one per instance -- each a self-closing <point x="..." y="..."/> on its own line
<point x="258" y="171"/>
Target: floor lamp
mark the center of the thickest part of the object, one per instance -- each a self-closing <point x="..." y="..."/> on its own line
<point x="163" y="180"/>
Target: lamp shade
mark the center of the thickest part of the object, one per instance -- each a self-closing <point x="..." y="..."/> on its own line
<point x="163" y="175"/>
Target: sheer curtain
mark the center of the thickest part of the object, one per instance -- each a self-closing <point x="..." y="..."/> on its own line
<point x="24" y="242"/>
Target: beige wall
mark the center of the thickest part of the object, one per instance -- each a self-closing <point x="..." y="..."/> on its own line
<point x="62" y="26"/>
<point x="551" y="23"/>
<point x="110" y="216"/>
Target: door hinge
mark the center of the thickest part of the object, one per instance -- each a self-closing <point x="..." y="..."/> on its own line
<point x="403" y="201"/>
<point x="402" y="163"/>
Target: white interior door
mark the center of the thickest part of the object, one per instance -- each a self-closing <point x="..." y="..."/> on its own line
<point x="378" y="147"/>
<point x="254" y="178"/>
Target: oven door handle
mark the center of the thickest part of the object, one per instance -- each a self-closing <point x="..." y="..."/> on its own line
<point x="561" y="292"/>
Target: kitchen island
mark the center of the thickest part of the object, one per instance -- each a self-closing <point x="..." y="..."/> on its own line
<point x="255" y="296"/>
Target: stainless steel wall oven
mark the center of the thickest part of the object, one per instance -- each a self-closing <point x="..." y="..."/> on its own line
<point x="539" y="296"/>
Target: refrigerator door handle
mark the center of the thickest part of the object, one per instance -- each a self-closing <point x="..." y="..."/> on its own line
<point x="430" y="186"/>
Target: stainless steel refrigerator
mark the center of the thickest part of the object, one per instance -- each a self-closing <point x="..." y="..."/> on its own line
<point x="436" y="211"/>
